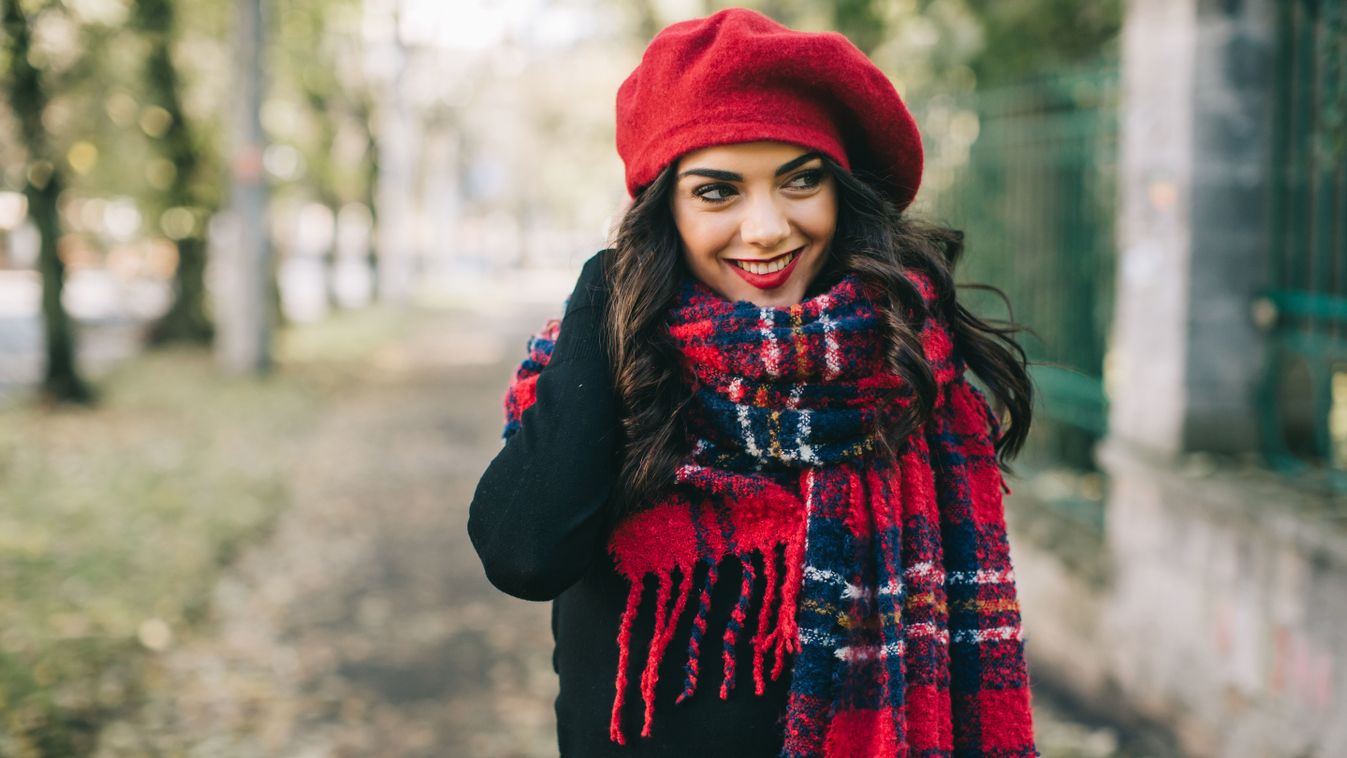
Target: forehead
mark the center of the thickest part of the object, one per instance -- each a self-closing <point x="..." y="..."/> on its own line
<point x="742" y="156"/>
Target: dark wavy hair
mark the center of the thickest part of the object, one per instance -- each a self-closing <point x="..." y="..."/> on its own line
<point x="872" y="239"/>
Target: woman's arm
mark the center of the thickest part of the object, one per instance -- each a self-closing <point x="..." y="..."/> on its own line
<point x="538" y="516"/>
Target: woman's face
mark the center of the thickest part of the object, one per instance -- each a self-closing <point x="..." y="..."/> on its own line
<point x="755" y="218"/>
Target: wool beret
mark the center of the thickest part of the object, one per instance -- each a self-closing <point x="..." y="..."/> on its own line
<point x="739" y="76"/>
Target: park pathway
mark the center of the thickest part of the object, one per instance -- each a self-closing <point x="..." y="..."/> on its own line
<point x="363" y="625"/>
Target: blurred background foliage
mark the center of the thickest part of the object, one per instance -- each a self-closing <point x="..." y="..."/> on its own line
<point x="485" y="129"/>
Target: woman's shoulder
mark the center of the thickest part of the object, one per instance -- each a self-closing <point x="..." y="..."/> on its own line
<point x="592" y="286"/>
<point x="605" y="254"/>
<point x="598" y="264"/>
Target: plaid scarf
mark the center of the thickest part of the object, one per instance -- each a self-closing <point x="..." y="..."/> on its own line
<point x="888" y="581"/>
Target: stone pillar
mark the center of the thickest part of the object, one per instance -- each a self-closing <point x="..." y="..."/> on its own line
<point x="1196" y="133"/>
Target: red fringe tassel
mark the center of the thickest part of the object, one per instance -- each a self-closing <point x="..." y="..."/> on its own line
<point x="623" y="652"/>
<point x="776" y="631"/>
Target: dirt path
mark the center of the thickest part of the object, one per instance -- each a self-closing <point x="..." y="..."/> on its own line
<point x="364" y="626"/>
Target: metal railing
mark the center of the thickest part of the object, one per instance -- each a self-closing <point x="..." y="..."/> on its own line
<point x="1029" y="173"/>
<point x="1303" y="401"/>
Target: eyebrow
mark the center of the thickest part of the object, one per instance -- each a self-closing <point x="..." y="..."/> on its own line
<point x="730" y="176"/>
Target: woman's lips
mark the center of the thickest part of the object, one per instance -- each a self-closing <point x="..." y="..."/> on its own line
<point x="772" y="280"/>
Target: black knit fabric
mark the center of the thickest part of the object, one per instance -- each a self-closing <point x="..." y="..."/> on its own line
<point x="539" y="524"/>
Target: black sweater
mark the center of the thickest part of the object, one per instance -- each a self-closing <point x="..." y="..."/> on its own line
<point x="539" y="524"/>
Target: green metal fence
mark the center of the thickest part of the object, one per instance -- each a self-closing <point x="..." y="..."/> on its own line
<point x="1304" y="395"/>
<point x="1029" y="174"/>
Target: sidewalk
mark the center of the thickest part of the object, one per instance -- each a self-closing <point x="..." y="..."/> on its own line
<point x="364" y="625"/>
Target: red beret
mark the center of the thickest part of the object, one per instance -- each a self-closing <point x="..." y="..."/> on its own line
<point x="738" y="76"/>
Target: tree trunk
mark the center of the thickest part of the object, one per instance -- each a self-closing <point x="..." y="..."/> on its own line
<point x="365" y="112"/>
<point x="61" y="381"/>
<point x="249" y="315"/>
<point x="399" y="142"/>
<point x="186" y="319"/>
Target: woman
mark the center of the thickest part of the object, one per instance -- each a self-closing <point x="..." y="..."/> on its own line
<point x="747" y="465"/>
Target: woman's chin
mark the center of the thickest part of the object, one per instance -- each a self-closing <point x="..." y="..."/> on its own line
<point x="784" y="296"/>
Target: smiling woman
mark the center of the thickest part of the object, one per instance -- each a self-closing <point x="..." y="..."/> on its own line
<point x="755" y="219"/>
<point x="749" y="452"/>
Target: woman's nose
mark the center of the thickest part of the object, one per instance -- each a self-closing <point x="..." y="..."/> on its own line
<point x="764" y="224"/>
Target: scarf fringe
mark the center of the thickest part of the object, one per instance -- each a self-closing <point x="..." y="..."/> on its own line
<point x="776" y="631"/>
<point x="624" y="652"/>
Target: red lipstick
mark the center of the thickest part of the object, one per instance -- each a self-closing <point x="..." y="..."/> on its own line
<point x="772" y="280"/>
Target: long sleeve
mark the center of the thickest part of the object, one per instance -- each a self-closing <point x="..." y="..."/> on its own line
<point x="538" y="516"/>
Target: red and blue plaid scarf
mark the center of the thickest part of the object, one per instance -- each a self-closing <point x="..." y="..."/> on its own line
<point x="888" y="579"/>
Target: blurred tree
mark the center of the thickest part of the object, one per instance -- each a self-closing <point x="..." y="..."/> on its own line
<point x="1026" y="38"/>
<point x="864" y="22"/>
<point x="320" y="90"/>
<point x="648" y="19"/>
<point x="186" y="319"/>
<point x="43" y="184"/>
<point x="319" y="58"/>
<point x="247" y="319"/>
<point x="363" y="107"/>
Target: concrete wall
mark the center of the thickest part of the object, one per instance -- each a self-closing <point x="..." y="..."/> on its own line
<point x="1215" y="607"/>
<point x="1214" y="602"/>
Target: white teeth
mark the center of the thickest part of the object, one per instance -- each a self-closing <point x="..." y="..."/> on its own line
<point x="756" y="267"/>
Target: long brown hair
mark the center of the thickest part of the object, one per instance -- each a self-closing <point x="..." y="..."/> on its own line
<point x="874" y="240"/>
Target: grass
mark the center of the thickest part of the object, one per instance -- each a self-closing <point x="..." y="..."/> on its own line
<point x="115" y="521"/>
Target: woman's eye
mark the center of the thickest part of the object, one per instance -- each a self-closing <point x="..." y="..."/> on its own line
<point x="806" y="179"/>
<point x="714" y="193"/>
